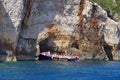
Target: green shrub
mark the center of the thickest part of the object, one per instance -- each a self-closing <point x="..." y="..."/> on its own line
<point x="109" y="5"/>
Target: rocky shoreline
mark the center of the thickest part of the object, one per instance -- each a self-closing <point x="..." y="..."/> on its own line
<point x="29" y="27"/>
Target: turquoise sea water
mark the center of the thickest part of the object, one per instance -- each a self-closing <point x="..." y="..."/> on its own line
<point x="56" y="70"/>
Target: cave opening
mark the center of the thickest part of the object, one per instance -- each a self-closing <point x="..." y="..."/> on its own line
<point x="75" y="45"/>
<point x="46" y="45"/>
<point x="108" y="50"/>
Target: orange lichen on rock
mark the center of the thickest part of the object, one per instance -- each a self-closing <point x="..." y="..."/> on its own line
<point x="56" y="32"/>
<point x="52" y="29"/>
<point x="81" y="16"/>
<point x="81" y="8"/>
<point x="89" y="38"/>
<point x="60" y="40"/>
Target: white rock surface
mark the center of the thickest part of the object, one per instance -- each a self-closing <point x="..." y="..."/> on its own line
<point x="10" y="21"/>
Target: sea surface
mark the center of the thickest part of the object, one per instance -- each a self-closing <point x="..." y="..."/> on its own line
<point x="59" y="70"/>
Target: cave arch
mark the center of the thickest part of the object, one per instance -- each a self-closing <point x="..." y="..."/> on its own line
<point x="46" y="45"/>
<point x="108" y="49"/>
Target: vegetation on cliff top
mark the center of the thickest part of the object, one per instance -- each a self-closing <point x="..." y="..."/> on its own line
<point x="111" y="6"/>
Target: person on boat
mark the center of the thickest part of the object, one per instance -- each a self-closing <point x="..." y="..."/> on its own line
<point x="48" y="53"/>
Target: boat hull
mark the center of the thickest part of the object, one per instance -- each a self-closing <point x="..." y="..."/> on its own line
<point x="72" y="59"/>
<point x="44" y="57"/>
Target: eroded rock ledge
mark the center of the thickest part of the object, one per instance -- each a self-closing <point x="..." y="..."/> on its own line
<point x="72" y="27"/>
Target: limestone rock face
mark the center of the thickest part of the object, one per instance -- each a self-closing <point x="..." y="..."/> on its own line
<point x="112" y="37"/>
<point x="10" y="20"/>
<point x="72" y="27"/>
<point x="50" y="23"/>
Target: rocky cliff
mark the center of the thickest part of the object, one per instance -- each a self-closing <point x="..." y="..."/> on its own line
<point x="72" y="27"/>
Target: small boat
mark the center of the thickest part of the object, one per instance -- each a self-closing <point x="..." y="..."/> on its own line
<point x="48" y="56"/>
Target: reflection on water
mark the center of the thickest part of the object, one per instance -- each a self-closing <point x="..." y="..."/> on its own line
<point x="58" y="70"/>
